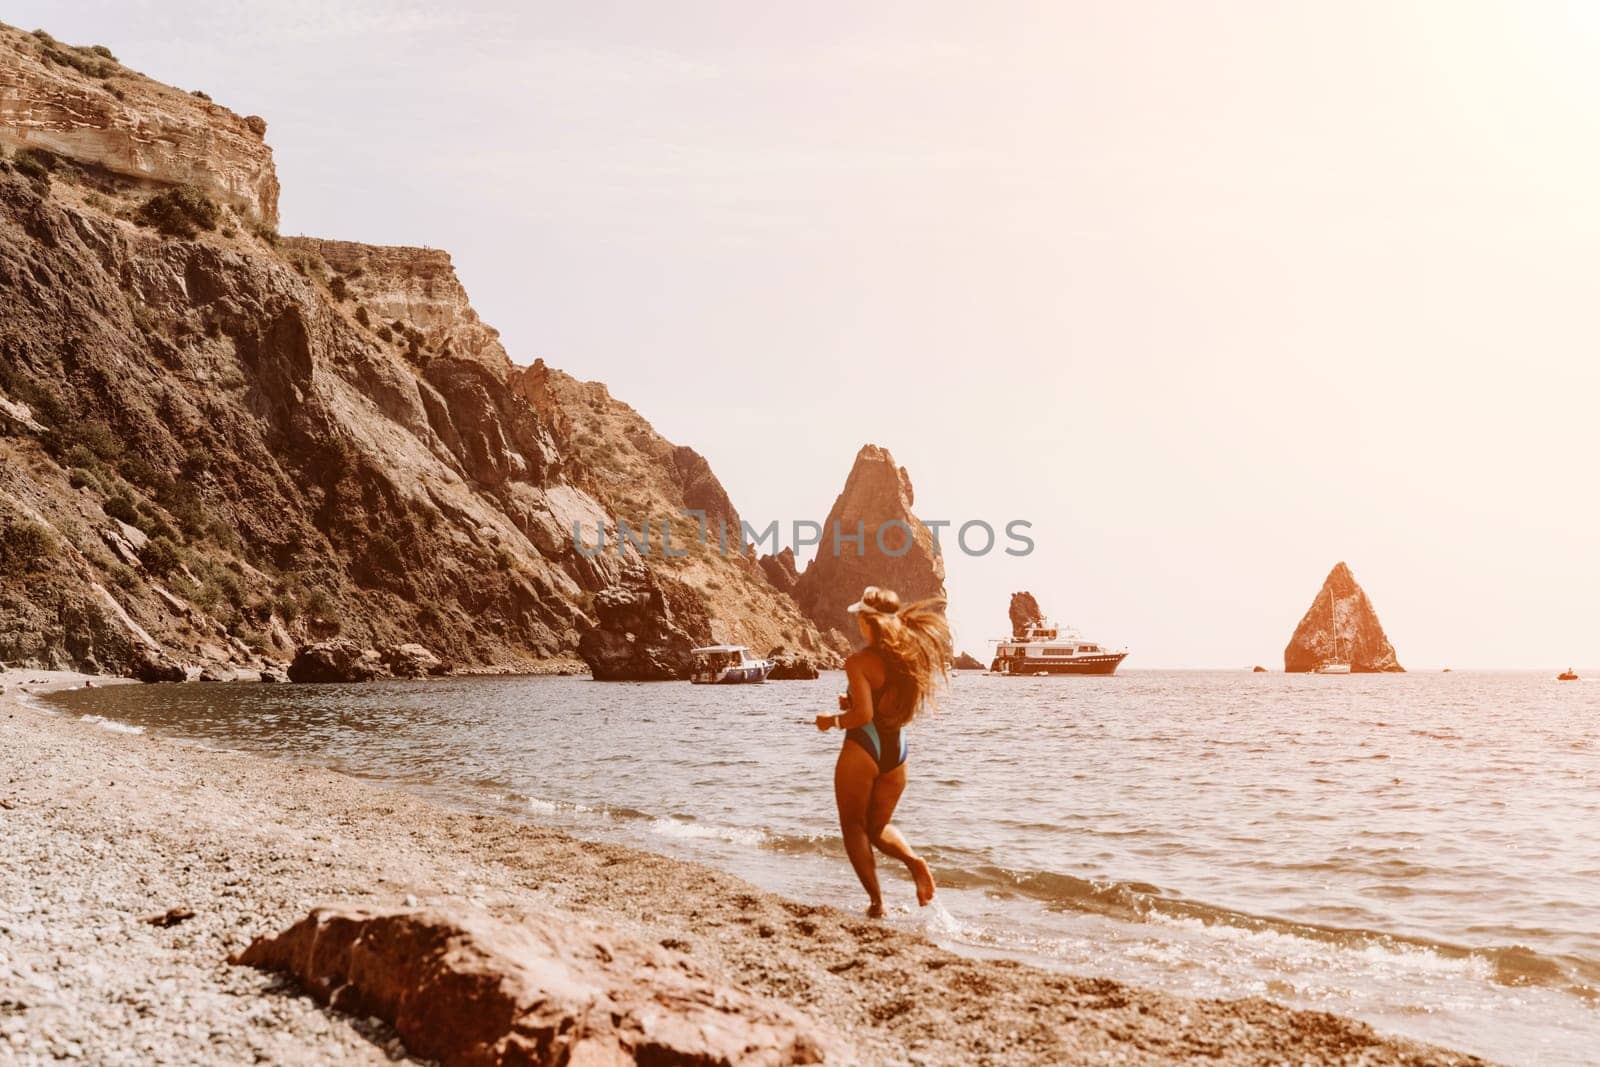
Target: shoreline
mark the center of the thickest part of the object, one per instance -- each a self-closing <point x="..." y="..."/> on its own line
<point x="105" y="828"/>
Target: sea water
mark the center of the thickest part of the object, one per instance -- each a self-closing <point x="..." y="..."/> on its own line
<point x="1419" y="851"/>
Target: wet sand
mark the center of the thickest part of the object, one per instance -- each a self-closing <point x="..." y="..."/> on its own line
<point x="101" y="830"/>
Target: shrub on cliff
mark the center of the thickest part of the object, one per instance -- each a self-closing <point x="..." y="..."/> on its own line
<point x="35" y="166"/>
<point x="180" y="212"/>
<point x="24" y="546"/>
<point x="121" y="508"/>
<point x="160" y="556"/>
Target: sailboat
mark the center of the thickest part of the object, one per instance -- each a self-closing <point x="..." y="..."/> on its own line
<point x="1340" y="664"/>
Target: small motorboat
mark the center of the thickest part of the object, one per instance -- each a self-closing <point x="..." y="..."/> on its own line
<point x="728" y="665"/>
<point x="1568" y="675"/>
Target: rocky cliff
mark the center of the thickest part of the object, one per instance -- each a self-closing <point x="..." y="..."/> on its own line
<point x="896" y="549"/>
<point x="216" y="445"/>
<point x="1340" y="626"/>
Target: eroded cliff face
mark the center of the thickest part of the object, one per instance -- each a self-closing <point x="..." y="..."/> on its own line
<point x="877" y="496"/>
<point x="1341" y="626"/>
<point x="414" y="286"/>
<point x="81" y="103"/>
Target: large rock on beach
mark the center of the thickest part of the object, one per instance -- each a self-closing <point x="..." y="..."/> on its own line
<point x="637" y="638"/>
<point x="411" y="660"/>
<point x="336" y="661"/>
<point x="470" y="990"/>
<point x="876" y="503"/>
<point x="159" y="667"/>
<point x="791" y="666"/>
<point x="1341" y="626"/>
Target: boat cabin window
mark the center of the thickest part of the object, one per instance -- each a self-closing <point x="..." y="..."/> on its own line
<point x="1088" y="648"/>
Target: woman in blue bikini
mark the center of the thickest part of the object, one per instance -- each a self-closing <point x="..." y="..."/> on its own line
<point x="890" y="681"/>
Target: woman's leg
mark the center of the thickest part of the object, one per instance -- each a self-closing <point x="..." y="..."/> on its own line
<point x="852" y="790"/>
<point x="880" y="809"/>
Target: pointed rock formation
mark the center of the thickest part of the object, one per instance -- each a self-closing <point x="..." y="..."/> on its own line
<point x="895" y="549"/>
<point x="780" y="571"/>
<point x="966" y="661"/>
<point x="1025" y="612"/>
<point x="1341" y="627"/>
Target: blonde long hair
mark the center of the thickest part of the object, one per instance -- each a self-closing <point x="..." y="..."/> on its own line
<point x="916" y="642"/>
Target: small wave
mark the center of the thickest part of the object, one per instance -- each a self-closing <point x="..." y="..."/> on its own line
<point x="112" y="725"/>
<point x="541" y="806"/>
<point x="34" y="702"/>
<point x="1512" y="965"/>
<point x="700" y="831"/>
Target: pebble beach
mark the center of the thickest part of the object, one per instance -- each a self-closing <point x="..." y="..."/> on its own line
<point x="132" y="867"/>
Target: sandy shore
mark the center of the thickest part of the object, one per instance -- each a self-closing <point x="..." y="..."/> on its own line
<point x="101" y="829"/>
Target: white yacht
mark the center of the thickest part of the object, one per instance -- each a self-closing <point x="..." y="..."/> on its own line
<point x="728" y="665"/>
<point x="1045" y="648"/>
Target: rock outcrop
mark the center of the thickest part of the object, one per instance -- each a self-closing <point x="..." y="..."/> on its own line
<point x="1340" y="627"/>
<point x="416" y="287"/>
<point x="1024" y="612"/>
<point x="411" y="660"/>
<point x="82" y="104"/>
<point x="966" y="661"/>
<point x="791" y="666"/>
<point x="470" y="990"/>
<point x="638" y="638"/>
<point x="780" y="571"/>
<point x="895" y="550"/>
<point x="336" y="661"/>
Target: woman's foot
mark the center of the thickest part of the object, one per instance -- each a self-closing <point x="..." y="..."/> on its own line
<point x="875" y="910"/>
<point x="924" y="879"/>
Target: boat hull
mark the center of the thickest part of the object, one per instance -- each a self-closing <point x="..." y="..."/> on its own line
<point x="1032" y="666"/>
<point x="752" y="674"/>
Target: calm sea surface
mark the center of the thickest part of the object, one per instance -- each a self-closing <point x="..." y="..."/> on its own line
<point x="1421" y="851"/>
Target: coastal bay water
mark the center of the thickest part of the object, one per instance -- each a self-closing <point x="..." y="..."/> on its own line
<point x="1421" y="851"/>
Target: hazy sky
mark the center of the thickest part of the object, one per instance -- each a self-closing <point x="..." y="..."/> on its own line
<point x="1215" y="294"/>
